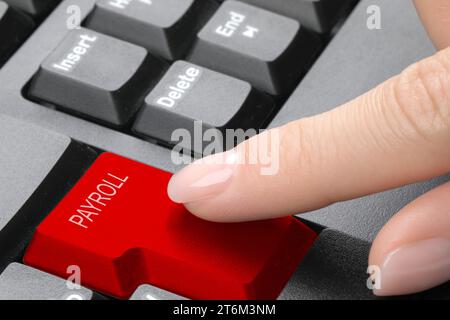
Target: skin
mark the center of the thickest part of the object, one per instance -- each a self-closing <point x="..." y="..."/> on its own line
<point x="396" y="134"/>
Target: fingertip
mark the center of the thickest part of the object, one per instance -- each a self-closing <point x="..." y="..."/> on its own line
<point x="202" y="179"/>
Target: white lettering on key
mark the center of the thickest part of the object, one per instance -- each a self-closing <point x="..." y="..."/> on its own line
<point x="76" y="54"/>
<point x="97" y="201"/>
<point x="231" y="25"/>
<point x="123" y="4"/>
<point x="176" y="92"/>
<point x="250" y="32"/>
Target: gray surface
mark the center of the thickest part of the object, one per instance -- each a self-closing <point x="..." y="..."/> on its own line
<point x="20" y="282"/>
<point x="335" y="268"/>
<point x="356" y="61"/>
<point x="146" y="25"/>
<point x="246" y="57"/>
<point x="27" y="154"/>
<point x="148" y="292"/>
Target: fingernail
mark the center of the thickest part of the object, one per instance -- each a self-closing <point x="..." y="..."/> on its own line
<point x="415" y="267"/>
<point x="203" y="179"/>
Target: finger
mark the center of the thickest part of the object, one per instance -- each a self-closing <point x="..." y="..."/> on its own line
<point x="435" y="15"/>
<point x="396" y="134"/>
<point x="413" y="250"/>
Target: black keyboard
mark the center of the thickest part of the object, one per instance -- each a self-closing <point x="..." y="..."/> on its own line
<point x="147" y="67"/>
<point x="111" y="80"/>
<point x="144" y="68"/>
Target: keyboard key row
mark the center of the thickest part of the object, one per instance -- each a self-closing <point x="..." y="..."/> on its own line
<point x="225" y="84"/>
<point x="78" y="77"/>
<point x="166" y="28"/>
<point x="266" y="49"/>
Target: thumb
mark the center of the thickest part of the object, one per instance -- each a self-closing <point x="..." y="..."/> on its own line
<point x="396" y="134"/>
<point x="412" y="251"/>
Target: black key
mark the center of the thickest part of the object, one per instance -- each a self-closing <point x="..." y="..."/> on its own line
<point x="97" y="76"/>
<point x="34" y="7"/>
<point x="317" y="15"/>
<point x="164" y="27"/>
<point x="14" y="29"/>
<point x="188" y="94"/>
<point x="266" y="49"/>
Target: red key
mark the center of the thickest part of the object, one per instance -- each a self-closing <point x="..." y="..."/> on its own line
<point x="118" y="225"/>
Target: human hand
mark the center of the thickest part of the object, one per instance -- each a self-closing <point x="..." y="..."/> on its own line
<point x="395" y="134"/>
